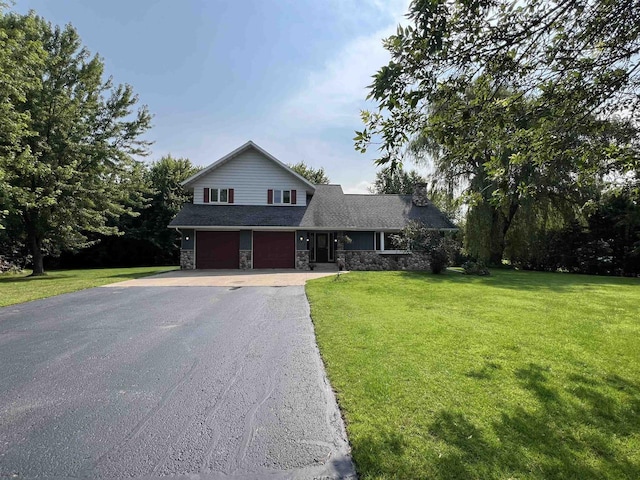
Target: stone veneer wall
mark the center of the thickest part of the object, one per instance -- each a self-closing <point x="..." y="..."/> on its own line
<point x="372" y="260"/>
<point x="187" y="260"/>
<point x="245" y="259"/>
<point x="302" y="260"/>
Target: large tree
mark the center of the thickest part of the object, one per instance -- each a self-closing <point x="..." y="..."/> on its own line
<point x="523" y="102"/>
<point x="73" y="162"/>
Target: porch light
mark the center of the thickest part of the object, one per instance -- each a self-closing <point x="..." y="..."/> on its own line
<point x="335" y="240"/>
<point x="301" y="238"/>
<point x="186" y="238"/>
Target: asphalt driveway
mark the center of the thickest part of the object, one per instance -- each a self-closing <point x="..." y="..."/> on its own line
<point x="204" y="382"/>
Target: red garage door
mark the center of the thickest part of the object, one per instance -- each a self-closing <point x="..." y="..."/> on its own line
<point x="217" y="249"/>
<point x="274" y="249"/>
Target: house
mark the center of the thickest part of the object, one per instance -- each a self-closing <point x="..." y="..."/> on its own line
<point x="250" y="210"/>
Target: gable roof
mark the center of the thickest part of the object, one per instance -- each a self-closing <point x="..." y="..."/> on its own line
<point x="247" y="146"/>
<point x="328" y="209"/>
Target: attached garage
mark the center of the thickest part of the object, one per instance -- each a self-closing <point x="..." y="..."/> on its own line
<point x="274" y="249"/>
<point x="217" y="249"/>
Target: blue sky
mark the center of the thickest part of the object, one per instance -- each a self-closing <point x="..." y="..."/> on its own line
<point x="291" y="75"/>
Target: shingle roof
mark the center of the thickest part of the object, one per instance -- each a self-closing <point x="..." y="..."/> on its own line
<point x="329" y="208"/>
<point x="193" y="215"/>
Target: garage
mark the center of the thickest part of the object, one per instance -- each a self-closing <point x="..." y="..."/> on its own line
<point x="217" y="249"/>
<point x="274" y="249"/>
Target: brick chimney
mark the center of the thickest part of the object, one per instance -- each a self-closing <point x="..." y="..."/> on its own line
<point x="420" y="198"/>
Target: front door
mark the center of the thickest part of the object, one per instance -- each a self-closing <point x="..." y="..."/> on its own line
<point x="322" y="247"/>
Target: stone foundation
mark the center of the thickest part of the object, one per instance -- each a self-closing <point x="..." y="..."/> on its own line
<point x="245" y="259"/>
<point x="187" y="260"/>
<point x="302" y="260"/>
<point x="373" y="260"/>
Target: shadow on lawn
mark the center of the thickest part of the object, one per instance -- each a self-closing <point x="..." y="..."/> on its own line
<point x="135" y="275"/>
<point x="576" y="432"/>
<point x="15" y="279"/>
<point x="569" y="436"/>
<point x="524" y="280"/>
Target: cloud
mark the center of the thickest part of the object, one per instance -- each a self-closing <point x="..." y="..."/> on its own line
<point x="333" y="95"/>
<point x="361" y="187"/>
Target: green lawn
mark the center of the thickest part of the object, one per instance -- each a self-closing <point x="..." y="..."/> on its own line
<point x="517" y="375"/>
<point x="18" y="288"/>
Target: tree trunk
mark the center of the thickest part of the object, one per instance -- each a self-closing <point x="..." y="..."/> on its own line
<point x="35" y="245"/>
<point x="498" y="246"/>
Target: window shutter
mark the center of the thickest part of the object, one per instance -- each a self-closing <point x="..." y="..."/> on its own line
<point x="269" y="196"/>
<point x="206" y="195"/>
<point x="293" y="197"/>
<point x="231" y="195"/>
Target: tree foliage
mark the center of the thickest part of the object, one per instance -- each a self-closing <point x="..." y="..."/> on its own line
<point x="145" y="238"/>
<point x="399" y="181"/>
<point x="69" y="168"/>
<point x="165" y="177"/>
<point x="317" y="176"/>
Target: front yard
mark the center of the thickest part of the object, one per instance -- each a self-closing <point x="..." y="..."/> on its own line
<point x="18" y="288"/>
<point x="517" y="375"/>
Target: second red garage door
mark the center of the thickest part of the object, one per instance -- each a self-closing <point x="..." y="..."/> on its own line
<point x="274" y="249"/>
<point x="217" y="249"/>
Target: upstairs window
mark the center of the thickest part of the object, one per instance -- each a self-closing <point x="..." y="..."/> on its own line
<point x="281" y="197"/>
<point x="218" y="195"/>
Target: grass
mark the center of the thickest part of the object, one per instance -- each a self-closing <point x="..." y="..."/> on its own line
<point x="18" y="288"/>
<point x="517" y="375"/>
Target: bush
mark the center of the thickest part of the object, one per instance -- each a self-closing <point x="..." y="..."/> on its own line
<point x="475" y="268"/>
<point x="438" y="259"/>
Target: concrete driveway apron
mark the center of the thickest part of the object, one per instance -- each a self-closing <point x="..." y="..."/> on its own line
<point x="197" y="382"/>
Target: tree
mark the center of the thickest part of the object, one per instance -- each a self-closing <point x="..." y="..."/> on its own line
<point x="314" y="175"/>
<point x="521" y="104"/>
<point x="165" y="178"/>
<point x="397" y="180"/>
<point x="19" y="56"/>
<point x="74" y="166"/>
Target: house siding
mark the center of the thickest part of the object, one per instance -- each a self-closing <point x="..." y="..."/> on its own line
<point x="187" y="240"/>
<point x="250" y="174"/>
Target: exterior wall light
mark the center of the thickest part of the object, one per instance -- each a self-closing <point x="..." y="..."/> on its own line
<point x="186" y="238"/>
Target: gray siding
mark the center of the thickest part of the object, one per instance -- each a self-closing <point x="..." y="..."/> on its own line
<point x="250" y="174"/>
<point x="360" y="241"/>
<point x="187" y="244"/>
<point x="245" y="239"/>
<point x="301" y="244"/>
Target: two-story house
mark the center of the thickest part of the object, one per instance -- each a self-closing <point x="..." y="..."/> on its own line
<point x="250" y="210"/>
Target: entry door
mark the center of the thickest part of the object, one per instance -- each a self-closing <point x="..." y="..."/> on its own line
<point x="322" y="247"/>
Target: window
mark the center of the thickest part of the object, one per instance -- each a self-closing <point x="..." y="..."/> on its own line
<point x="218" y="195"/>
<point x="384" y="242"/>
<point x="389" y="242"/>
<point x="281" y="197"/>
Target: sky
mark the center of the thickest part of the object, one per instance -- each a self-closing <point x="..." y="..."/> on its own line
<point x="291" y="75"/>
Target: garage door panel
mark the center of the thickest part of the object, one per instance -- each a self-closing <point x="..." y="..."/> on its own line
<point x="218" y="250"/>
<point x="274" y="249"/>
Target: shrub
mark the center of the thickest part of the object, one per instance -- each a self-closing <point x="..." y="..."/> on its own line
<point x="438" y="259"/>
<point x="475" y="268"/>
